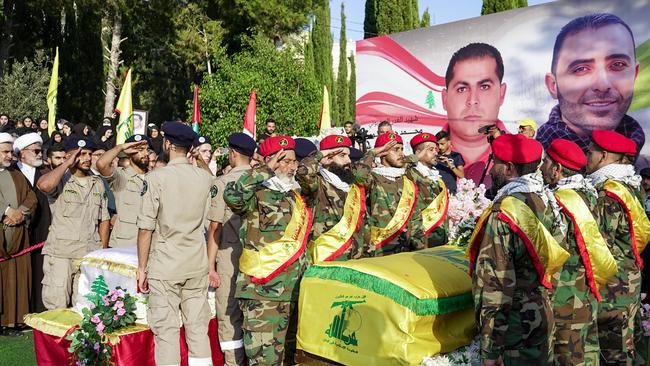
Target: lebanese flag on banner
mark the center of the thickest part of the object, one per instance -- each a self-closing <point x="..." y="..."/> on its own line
<point x="251" y="116"/>
<point x="196" y="116"/>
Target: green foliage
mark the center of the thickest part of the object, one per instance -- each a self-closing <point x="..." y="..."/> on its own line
<point x="352" y="89"/>
<point x="495" y="6"/>
<point x="426" y="19"/>
<point x="110" y="310"/>
<point x="322" y="48"/>
<point x="292" y="97"/>
<point x="390" y="16"/>
<point x="370" y="19"/>
<point x="24" y="88"/>
<point x="342" y="76"/>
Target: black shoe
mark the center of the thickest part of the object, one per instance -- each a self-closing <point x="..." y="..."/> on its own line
<point x="11" y="332"/>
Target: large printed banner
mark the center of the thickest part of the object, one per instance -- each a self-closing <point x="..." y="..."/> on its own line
<point x="573" y="66"/>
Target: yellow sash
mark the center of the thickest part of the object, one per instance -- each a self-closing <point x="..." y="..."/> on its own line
<point x="273" y="258"/>
<point x="332" y="243"/>
<point x="636" y="216"/>
<point x="435" y="213"/>
<point x="380" y="236"/>
<point x="545" y="252"/>
<point x="599" y="263"/>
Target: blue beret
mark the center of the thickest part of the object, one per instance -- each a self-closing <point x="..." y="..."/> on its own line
<point x="179" y="133"/>
<point x="355" y="154"/>
<point x="200" y="140"/>
<point x="73" y="142"/>
<point x="242" y="143"/>
<point x="304" y="147"/>
<point x="138" y="138"/>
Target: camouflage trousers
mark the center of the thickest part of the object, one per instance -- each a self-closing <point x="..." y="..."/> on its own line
<point x="269" y="331"/>
<point x="575" y="340"/>
<point x="576" y="344"/>
<point x="616" y="318"/>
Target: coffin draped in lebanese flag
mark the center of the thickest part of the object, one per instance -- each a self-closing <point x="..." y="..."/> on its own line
<point x="393" y="310"/>
<point x="132" y="345"/>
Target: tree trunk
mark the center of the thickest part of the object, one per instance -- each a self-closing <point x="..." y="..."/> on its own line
<point x="114" y="63"/>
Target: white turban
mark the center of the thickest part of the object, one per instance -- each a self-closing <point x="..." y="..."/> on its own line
<point x="5" y="137"/>
<point x="26" y="140"/>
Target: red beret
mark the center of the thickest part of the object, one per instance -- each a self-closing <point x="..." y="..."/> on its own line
<point x="613" y="141"/>
<point x="334" y="141"/>
<point x="516" y="149"/>
<point x="273" y="144"/>
<point x="567" y="153"/>
<point x="385" y="138"/>
<point x="422" y="137"/>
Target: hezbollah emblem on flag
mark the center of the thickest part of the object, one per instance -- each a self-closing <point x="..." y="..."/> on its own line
<point x="284" y="142"/>
<point x="346" y="322"/>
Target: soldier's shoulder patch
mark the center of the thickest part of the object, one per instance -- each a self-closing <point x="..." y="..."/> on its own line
<point x="145" y="187"/>
<point x="214" y="190"/>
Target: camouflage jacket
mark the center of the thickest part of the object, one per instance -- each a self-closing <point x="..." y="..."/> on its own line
<point x="265" y="214"/>
<point x="382" y="197"/>
<point x="327" y="203"/>
<point x="428" y="190"/>
<point x="573" y="301"/>
<point x="624" y="287"/>
<point x="512" y="308"/>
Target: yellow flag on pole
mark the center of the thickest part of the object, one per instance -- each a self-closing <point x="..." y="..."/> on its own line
<point x="125" y="109"/>
<point x="325" y="118"/>
<point x="51" y="95"/>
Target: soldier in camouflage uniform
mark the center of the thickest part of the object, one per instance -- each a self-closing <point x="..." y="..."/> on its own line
<point x="575" y="305"/>
<point x="326" y="185"/>
<point x="263" y="198"/>
<point x="512" y="307"/>
<point x="384" y="187"/>
<point x="430" y="185"/>
<point x="621" y="296"/>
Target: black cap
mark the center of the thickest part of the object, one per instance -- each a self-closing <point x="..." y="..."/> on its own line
<point x="179" y="133"/>
<point x="73" y="142"/>
<point x="242" y="143"/>
<point x="200" y="140"/>
<point x="138" y="138"/>
<point x="304" y="147"/>
<point x="355" y="154"/>
<point x="645" y="172"/>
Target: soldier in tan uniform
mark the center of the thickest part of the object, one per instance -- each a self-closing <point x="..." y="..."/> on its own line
<point x="224" y="248"/>
<point x="79" y="221"/>
<point x="172" y="256"/>
<point x="126" y="184"/>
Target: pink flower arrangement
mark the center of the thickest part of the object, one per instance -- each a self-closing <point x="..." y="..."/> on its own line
<point x="465" y="207"/>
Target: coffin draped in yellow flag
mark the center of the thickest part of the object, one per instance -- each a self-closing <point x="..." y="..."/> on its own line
<point x="125" y="109"/>
<point x="392" y="310"/>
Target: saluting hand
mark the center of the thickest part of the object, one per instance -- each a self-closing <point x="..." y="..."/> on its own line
<point x="133" y="147"/>
<point x="275" y="160"/>
<point x="74" y="158"/>
<point x="214" y="279"/>
<point x="327" y="156"/>
<point x="381" y="151"/>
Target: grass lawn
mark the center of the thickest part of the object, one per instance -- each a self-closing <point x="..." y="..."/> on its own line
<point x="17" y="351"/>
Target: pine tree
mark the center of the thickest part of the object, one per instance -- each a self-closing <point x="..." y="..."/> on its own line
<point x="352" y="89"/>
<point x="370" y="19"/>
<point x="389" y="17"/>
<point x="322" y="42"/>
<point x="415" y="15"/>
<point x="426" y="19"/>
<point x="342" y="76"/>
<point x="495" y="6"/>
<point x="309" y="55"/>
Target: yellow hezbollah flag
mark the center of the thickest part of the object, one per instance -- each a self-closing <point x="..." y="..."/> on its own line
<point x="51" y="95"/>
<point x="125" y="109"/>
<point x="392" y="310"/>
<point x="325" y="118"/>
